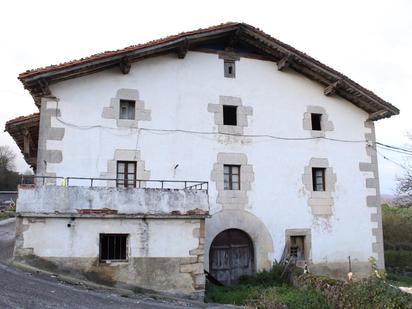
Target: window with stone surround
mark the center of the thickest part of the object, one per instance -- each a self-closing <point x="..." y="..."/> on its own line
<point x="127" y="109"/>
<point x="229" y="115"/>
<point x="231" y="177"/>
<point x="318" y="179"/>
<point x="126" y="174"/>
<point x="113" y="247"/>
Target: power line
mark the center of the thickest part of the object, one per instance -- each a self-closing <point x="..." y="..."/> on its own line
<point x="283" y="138"/>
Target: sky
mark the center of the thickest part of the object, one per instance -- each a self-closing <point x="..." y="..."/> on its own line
<point x="369" y="41"/>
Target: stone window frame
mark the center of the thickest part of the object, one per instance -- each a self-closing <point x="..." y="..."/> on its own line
<point x="113" y="111"/>
<point x="229" y="58"/>
<point x="229" y="68"/>
<point x="233" y="199"/>
<point x="326" y="124"/>
<point x="126" y="155"/>
<point x="307" y="242"/>
<point x="320" y="202"/>
<point x="242" y="113"/>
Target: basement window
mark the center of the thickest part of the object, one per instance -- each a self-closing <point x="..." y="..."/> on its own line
<point x="126" y="174"/>
<point x="229" y="115"/>
<point x="297" y="247"/>
<point x="231" y="177"/>
<point x="127" y="109"/>
<point x="113" y="247"/>
<point x="229" y="67"/>
<point x="316" y="120"/>
<point x="318" y="179"/>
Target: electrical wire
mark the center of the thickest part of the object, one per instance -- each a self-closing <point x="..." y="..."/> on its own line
<point x="132" y="131"/>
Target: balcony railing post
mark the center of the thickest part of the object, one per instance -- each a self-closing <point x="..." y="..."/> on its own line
<point x="91" y="182"/>
<point x="43" y="180"/>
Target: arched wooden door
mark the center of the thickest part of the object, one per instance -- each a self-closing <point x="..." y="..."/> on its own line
<point x="231" y="255"/>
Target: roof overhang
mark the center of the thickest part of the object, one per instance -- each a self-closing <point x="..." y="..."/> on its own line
<point x="25" y="132"/>
<point x="286" y="57"/>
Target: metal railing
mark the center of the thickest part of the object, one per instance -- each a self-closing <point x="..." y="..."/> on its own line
<point x="118" y="182"/>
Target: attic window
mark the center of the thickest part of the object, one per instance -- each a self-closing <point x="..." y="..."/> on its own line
<point x="316" y="120"/>
<point x="127" y="109"/>
<point x="229" y="66"/>
<point x="229" y="115"/>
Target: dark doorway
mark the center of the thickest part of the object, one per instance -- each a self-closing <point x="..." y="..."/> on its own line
<point x="231" y="256"/>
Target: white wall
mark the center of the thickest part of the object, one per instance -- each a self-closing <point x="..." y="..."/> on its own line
<point x="150" y="238"/>
<point x="178" y="91"/>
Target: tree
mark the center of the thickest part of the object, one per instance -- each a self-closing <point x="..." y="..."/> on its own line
<point x="404" y="186"/>
<point x="9" y="179"/>
<point x="7" y="158"/>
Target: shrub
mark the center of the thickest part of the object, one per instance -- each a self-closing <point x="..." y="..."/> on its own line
<point x="397" y="224"/>
<point x="368" y="293"/>
<point x="375" y="293"/>
<point x="398" y="258"/>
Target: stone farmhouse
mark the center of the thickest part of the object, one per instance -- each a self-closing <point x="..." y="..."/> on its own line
<point x="220" y="149"/>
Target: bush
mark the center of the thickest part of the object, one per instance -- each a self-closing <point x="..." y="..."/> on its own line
<point x="398" y="258"/>
<point x="368" y="293"/>
<point x="397" y="227"/>
<point x="375" y="293"/>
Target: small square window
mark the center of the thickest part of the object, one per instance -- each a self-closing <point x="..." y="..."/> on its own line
<point x="113" y="247"/>
<point x="127" y="109"/>
<point x="231" y="177"/>
<point x="318" y="179"/>
<point x="316" y="120"/>
<point x="297" y="247"/>
<point x="229" y="67"/>
<point x="229" y="115"/>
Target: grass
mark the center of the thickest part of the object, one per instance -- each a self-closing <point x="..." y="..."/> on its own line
<point x="266" y="289"/>
<point x="265" y="296"/>
<point x="7" y="214"/>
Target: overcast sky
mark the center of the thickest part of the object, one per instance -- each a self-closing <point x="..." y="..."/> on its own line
<point x="369" y="41"/>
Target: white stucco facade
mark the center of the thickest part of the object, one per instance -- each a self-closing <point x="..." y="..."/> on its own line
<point x="177" y="92"/>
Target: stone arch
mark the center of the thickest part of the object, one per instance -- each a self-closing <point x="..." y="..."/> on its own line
<point x="250" y="224"/>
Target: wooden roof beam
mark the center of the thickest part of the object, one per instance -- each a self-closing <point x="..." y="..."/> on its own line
<point x="183" y="49"/>
<point x="377" y="115"/>
<point x="125" y="65"/>
<point x="285" y="62"/>
<point x="332" y="88"/>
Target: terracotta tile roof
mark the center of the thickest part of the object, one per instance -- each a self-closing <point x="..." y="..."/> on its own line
<point x="36" y="81"/>
<point x="33" y="116"/>
<point x="108" y="54"/>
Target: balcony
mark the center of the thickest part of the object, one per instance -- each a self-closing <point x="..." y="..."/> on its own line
<point x="99" y="197"/>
